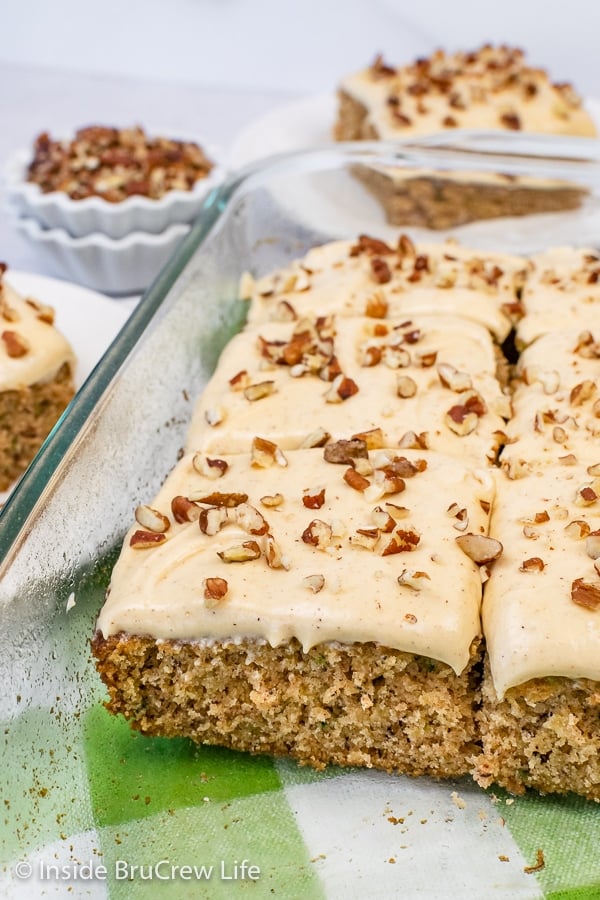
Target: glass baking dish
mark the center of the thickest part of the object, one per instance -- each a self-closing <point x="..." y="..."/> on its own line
<point x="89" y="805"/>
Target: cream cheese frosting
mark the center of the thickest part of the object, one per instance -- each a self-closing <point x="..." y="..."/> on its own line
<point x="533" y="618"/>
<point x="323" y="570"/>
<point x="353" y="278"/>
<point x="562" y="291"/>
<point x="31" y="348"/>
<point x="491" y="88"/>
<point x="353" y="375"/>
<point x="556" y="403"/>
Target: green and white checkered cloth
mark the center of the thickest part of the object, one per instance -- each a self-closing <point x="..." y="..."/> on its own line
<point x="92" y="809"/>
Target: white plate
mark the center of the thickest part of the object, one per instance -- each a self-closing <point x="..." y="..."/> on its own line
<point x="304" y="123"/>
<point x="88" y="320"/>
<point x="343" y="207"/>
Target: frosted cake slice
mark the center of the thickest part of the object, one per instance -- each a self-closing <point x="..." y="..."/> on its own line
<point x="371" y="277"/>
<point x="541" y="621"/>
<point x="301" y="604"/>
<point x="427" y="381"/>
<point x="37" y="365"/>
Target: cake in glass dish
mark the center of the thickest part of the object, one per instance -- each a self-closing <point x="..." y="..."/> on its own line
<point x="492" y="88"/>
<point x="390" y="596"/>
<point x="36" y="378"/>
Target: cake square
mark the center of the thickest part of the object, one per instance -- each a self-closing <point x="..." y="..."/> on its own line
<point x="294" y="605"/>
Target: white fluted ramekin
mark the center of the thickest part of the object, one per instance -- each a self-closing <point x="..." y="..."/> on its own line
<point x="94" y="214"/>
<point x="124" y="266"/>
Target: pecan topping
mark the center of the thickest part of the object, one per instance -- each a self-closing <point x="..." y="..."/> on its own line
<point x="479" y="548"/>
<point x="380" y="270"/>
<point x="374" y="439"/>
<point x="453" y="379"/>
<point x="412" y="579"/>
<point x="314" y="500"/>
<point x="585" y="594"/>
<point x="371" y="245"/>
<point x="265" y="454"/>
<point x="318" y="533"/>
<point x="273" y="554"/>
<point x="405" y="387"/>
<point x="239" y="381"/>
<point x="314" y="583"/>
<point x="535" y="564"/>
<point x="14" y="344"/>
<point x="144" y="540"/>
<point x="376" y="306"/>
<point x="259" y="391"/>
<point x="184" y="510"/>
<point x="577" y="529"/>
<point x="245" y="552"/>
<point x="383" y="520"/>
<point x="210" y="521"/>
<point x="370" y="356"/>
<point x="250" y="519"/>
<point x="592" y="545"/>
<point x="582" y="392"/>
<point x="356" y="481"/>
<point x="344" y="452"/>
<point x="218" y="498"/>
<point x="271" y="500"/>
<point x="215" y="591"/>
<point x="151" y="519"/>
<point x="402" y="541"/>
<point x="342" y="388"/>
<point x="511" y="120"/>
<point x="42" y="312"/>
<point x="317" y="438"/>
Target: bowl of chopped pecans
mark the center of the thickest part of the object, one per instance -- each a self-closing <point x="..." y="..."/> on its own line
<point x="111" y="181"/>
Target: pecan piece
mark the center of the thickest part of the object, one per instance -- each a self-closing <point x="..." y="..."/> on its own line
<point x="534" y="564"/>
<point x="582" y="392"/>
<point x="343" y="452"/>
<point x="376" y="306"/>
<point x="314" y="499"/>
<point x="184" y="510"/>
<point x="479" y="548"/>
<point x="144" y="540"/>
<point x="355" y="480"/>
<point x="380" y="270"/>
<point x="405" y="387"/>
<point x="318" y="533"/>
<point x="210" y="521"/>
<point x="151" y="519"/>
<point x="314" y="583"/>
<point x="342" y="388"/>
<point x="265" y="453"/>
<point x="453" y="379"/>
<point x="14" y="344"/>
<point x="250" y="519"/>
<point x="259" y="390"/>
<point x="585" y="594"/>
<point x="215" y="591"/>
<point x="412" y="579"/>
<point x="317" y="438"/>
<point x="245" y="552"/>
<point x="218" y="498"/>
<point x="401" y="541"/>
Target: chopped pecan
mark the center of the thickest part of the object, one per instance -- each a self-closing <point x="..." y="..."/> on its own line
<point x="314" y="499"/>
<point x="585" y="594"/>
<point x="314" y="583"/>
<point x="318" y="534"/>
<point x="342" y="388"/>
<point x="401" y="541"/>
<point x="582" y="392"/>
<point x="592" y="545"/>
<point x="215" y="591"/>
<point x="151" y="519"/>
<point x="240" y="553"/>
<point x="577" y="529"/>
<point x="271" y="500"/>
<point x="184" y="510"/>
<point x="273" y="555"/>
<point x="145" y="540"/>
<point x="259" y="390"/>
<point x="14" y="344"/>
<point x="240" y="380"/>
<point x="220" y="498"/>
<point x="380" y="270"/>
<point x="480" y="548"/>
<point x="534" y="564"/>
<point x="383" y="520"/>
<point x="265" y="453"/>
<point x="374" y="438"/>
<point x="413" y="579"/>
<point x="367" y="244"/>
<point x="211" y="520"/>
<point x="376" y="306"/>
<point x="343" y="452"/>
<point x="453" y="379"/>
<point x="356" y="481"/>
<point x="250" y="519"/>
<point x="406" y="387"/>
<point x="370" y="355"/>
<point x="317" y="438"/>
